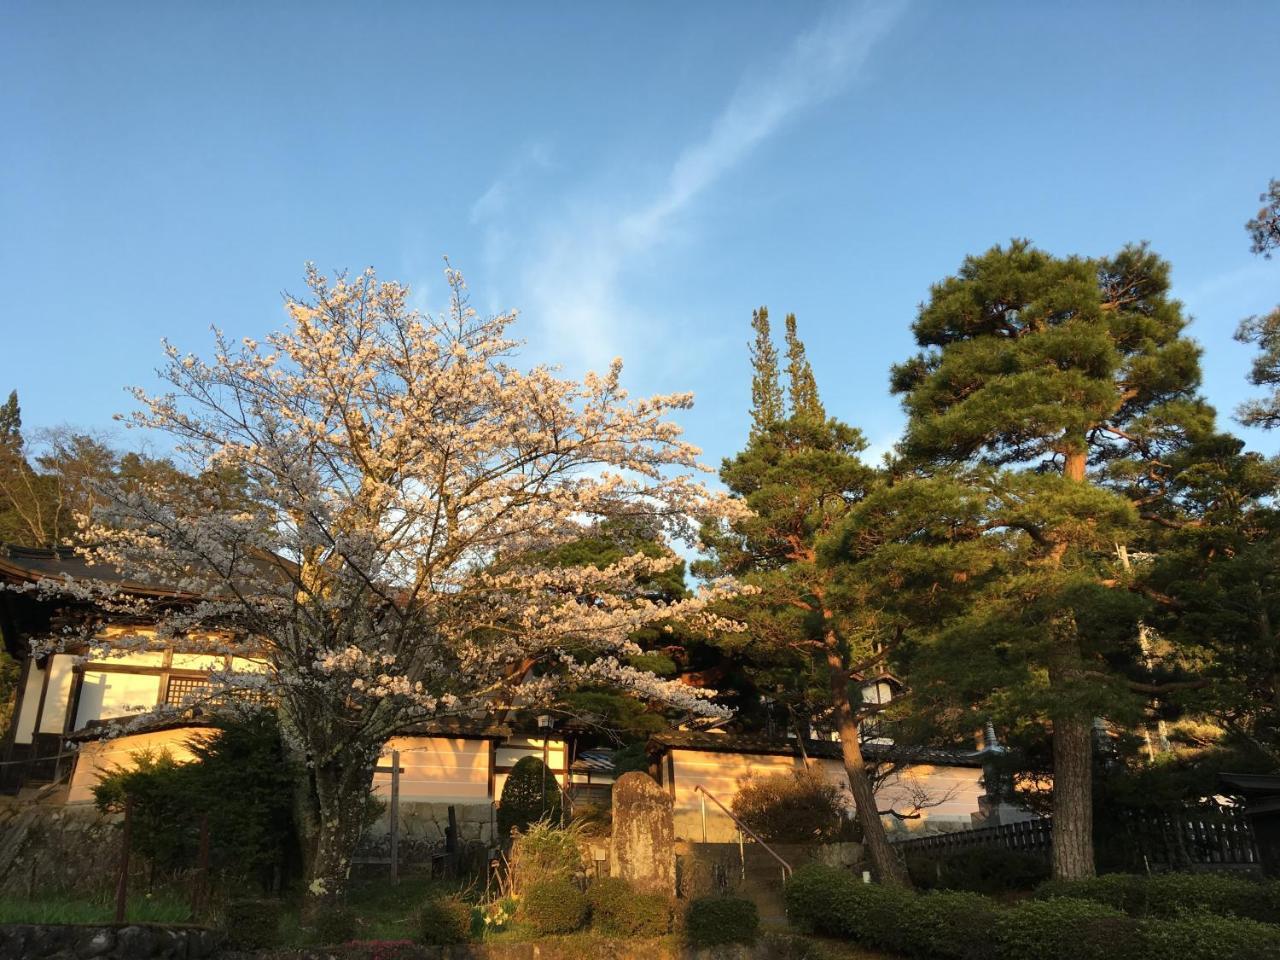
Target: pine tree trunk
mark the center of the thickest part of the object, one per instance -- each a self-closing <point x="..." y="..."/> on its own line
<point x="1072" y="746"/>
<point x="1072" y="797"/>
<point x="888" y="868"/>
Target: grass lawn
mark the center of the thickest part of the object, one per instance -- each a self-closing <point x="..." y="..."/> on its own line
<point x="60" y="909"/>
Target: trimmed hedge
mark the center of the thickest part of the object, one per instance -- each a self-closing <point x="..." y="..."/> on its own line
<point x="1174" y="894"/>
<point x="252" y="924"/>
<point x="618" y="910"/>
<point x="552" y="907"/>
<point x="950" y="925"/>
<point x="443" y="921"/>
<point x="712" y="921"/>
<point x="1049" y="929"/>
<point x="968" y="926"/>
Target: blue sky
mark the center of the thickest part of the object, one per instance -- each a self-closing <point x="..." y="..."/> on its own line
<point x="635" y="178"/>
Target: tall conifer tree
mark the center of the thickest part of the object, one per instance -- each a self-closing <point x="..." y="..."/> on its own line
<point x="801" y="476"/>
<point x="1073" y="379"/>
<point x="802" y="385"/>
<point x="766" y="392"/>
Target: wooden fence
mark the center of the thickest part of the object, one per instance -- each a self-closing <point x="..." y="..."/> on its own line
<point x="1205" y="837"/>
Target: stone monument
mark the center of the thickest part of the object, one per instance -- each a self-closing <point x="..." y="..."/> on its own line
<point x="642" y="848"/>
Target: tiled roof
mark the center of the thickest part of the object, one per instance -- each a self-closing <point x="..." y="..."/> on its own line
<point x="761" y="744"/>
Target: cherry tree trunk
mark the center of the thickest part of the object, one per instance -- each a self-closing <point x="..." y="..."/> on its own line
<point x="342" y="805"/>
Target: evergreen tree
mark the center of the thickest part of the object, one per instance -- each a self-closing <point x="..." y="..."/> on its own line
<point x="1075" y="376"/>
<point x="766" y="393"/>
<point x="1264" y="332"/>
<point x="11" y="422"/>
<point x="803" y="388"/>
<point x="801" y="477"/>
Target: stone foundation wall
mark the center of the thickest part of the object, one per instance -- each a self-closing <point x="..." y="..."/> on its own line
<point x="56" y="849"/>
<point x="422" y="831"/>
<point x="32" y="941"/>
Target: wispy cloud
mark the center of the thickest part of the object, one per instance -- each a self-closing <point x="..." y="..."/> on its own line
<point x="571" y="281"/>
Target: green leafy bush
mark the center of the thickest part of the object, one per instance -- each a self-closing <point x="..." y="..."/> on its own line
<point x="1124" y="891"/>
<point x="1047" y="929"/>
<point x="1206" y="937"/>
<point x="252" y="924"/>
<point x="443" y="921"/>
<point x="1174" y="894"/>
<point x="800" y="806"/>
<point x="816" y="897"/>
<point x="980" y="870"/>
<point x="553" y="906"/>
<point x="949" y="925"/>
<point x="711" y="921"/>
<point x="618" y="910"/>
<point x="335" y="926"/>
<point x="530" y="794"/>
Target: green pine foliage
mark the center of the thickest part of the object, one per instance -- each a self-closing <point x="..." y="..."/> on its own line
<point x="1045" y="407"/>
<point x="766" y="392"/>
<point x="240" y="783"/>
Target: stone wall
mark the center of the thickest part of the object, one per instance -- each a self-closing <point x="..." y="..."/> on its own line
<point x="56" y="849"/>
<point x="32" y="941"/>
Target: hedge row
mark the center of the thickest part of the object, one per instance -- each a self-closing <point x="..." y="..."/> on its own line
<point x="968" y="926"/>
<point x="1173" y="894"/>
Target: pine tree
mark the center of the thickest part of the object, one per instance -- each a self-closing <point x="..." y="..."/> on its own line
<point x="1074" y="376"/>
<point x="800" y="477"/>
<point x="11" y="423"/>
<point x="802" y="386"/>
<point x="1264" y="331"/>
<point x="766" y="394"/>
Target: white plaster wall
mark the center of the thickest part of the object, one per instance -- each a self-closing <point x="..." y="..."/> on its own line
<point x="437" y="770"/>
<point x="106" y="694"/>
<point x="61" y="674"/>
<point x="26" y="722"/>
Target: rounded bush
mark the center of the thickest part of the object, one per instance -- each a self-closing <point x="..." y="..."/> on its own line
<point x="335" y="926"/>
<point x="949" y="925"/>
<point x="252" y="924"/>
<point x="1124" y="891"/>
<point x="1172" y="894"/>
<point x="712" y="921"/>
<point x="1047" y="929"/>
<point x="620" y="911"/>
<point x="815" y="896"/>
<point x="443" y="921"/>
<point x="1206" y="937"/>
<point x="553" y="906"/>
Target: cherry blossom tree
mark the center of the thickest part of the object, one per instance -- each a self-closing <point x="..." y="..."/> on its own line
<point x="403" y="486"/>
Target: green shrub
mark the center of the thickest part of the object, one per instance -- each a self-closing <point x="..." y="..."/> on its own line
<point x="1174" y="894"/>
<point x="1126" y="892"/>
<point x="530" y="794"/>
<point x="252" y="924"/>
<point x="949" y="925"/>
<point x="711" y="921"/>
<point x="1047" y="929"/>
<point x="553" y="906"/>
<point x="1206" y="937"/>
<point x="443" y="921"/>
<point x="816" y="896"/>
<point x="620" y="911"/>
<point x="980" y="870"/>
<point x="335" y="926"/>
<point x="790" y="946"/>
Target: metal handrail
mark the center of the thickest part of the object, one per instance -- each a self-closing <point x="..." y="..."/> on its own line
<point x="786" y="867"/>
